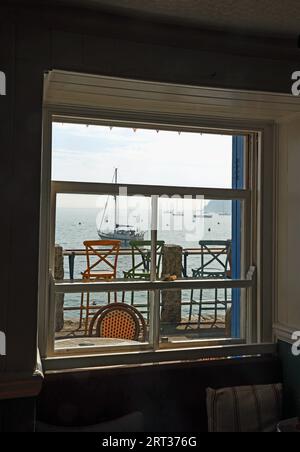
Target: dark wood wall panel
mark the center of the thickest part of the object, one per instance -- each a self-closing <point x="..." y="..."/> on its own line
<point x="67" y="50"/>
<point x="32" y="56"/>
<point x="17" y="416"/>
<point x="188" y="66"/>
<point x="103" y="24"/>
<point x="7" y="53"/>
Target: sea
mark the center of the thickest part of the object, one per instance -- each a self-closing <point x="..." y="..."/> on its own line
<point x="75" y="225"/>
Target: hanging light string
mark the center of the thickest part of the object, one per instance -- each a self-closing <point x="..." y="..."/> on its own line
<point x="134" y="129"/>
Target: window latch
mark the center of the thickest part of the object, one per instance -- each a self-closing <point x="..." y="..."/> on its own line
<point x="251" y="273"/>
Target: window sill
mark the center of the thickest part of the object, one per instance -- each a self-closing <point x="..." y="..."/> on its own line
<point x="154" y="358"/>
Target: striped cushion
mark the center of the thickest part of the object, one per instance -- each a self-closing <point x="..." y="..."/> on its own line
<point x="244" y="408"/>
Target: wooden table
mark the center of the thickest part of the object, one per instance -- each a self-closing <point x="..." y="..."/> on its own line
<point x="78" y="342"/>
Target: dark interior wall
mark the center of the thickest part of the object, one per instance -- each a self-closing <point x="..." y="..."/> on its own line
<point x="171" y="397"/>
<point x="35" y="40"/>
<point x="291" y="374"/>
<point x="17" y="415"/>
<point x="5" y="168"/>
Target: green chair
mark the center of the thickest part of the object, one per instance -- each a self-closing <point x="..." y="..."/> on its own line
<point x="141" y="262"/>
<point x="215" y="264"/>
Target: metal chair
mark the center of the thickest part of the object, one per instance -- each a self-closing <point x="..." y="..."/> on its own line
<point x="141" y="264"/>
<point x="215" y="264"/>
<point x="141" y="261"/>
<point x="103" y="266"/>
<point x="118" y="321"/>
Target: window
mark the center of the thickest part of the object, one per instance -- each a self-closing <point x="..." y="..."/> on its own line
<point x="89" y="153"/>
<point x="158" y="221"/>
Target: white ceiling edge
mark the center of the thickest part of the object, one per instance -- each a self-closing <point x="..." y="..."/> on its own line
<point x="94" y="92"/>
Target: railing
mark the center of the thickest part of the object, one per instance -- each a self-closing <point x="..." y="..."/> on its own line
<point x="77" y="286"/>
<point x="186" y="253"/>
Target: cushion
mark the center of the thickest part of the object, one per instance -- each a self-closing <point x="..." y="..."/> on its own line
<point x="133" y="422"/>
<point x="244" y="409"/>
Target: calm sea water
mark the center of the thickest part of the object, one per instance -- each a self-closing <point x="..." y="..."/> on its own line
<point x="73" y="226"/>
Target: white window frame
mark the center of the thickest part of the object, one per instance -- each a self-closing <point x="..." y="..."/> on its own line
<point x="260" y="132"/>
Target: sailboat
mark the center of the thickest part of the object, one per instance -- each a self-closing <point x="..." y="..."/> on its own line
<point x="124" y="233"/>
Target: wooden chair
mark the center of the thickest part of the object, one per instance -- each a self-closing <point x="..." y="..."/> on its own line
<point x="104" y="266"/>
<point x="118" y="321"/>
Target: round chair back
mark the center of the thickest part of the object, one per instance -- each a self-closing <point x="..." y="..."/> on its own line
<point x="118" y="321"/>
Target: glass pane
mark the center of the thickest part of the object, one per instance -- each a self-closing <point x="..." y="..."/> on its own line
<point x="83" y="153"/>
<point x="202" y="240"/>
<point x="206" y="233"/>
<point x="81" y="218"/>
<point x="95" y="320"/>
<point x="193" y="315"/>
<point x="95" y="238"/>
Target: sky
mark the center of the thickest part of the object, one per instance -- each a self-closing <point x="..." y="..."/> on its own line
<point x="83" y="153"/>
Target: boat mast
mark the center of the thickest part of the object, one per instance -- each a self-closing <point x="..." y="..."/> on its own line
<point x="116" y="199"/>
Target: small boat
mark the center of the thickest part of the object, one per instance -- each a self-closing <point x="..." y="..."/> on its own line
<point x="202" y="215"/>
<point x="124" y="233"/>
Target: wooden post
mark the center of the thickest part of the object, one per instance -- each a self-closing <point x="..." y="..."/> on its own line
<point x="171" y="299"/>
<point x="59" y="275"/>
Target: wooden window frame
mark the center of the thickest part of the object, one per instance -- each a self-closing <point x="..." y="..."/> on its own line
<point x="259" y="137"/>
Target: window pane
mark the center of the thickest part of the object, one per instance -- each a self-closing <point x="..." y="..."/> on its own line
<point x="207" y="234"/>
<point x="202" y="240"/>
<point x="94" y="320"/>
<point x="83" y="153"/>
<point x="81" y="218"/>
<point x="86" y="233"/>
<point x="202" y="315"/>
